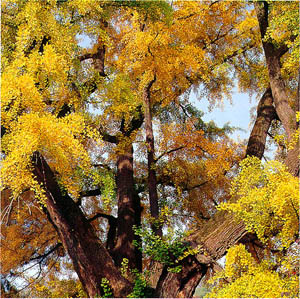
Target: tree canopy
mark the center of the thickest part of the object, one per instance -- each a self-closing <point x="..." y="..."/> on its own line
<point x="113" y="185"/>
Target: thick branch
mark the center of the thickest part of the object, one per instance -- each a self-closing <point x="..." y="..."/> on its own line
<point x="107" y="137"/>
<point x="90" y="259"/>
<point x="88" y="193"/>
<point x="111" y="234"/>
<point x="265" y="114"/>
<point x="136" y="122"/>
<point x="214" y="238"/>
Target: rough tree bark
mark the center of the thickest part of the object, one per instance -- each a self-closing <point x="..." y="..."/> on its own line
<point x="90" y="259"/>
<point x="214" y="238"/>
<point x="265" y="114"/>
<point x="152" y="181"/>
<point x="128" y="205"/>
<point x="128" y="213"/>
<point x="284" y="111"/>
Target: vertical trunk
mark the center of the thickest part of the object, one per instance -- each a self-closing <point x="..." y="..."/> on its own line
<point x="128" y="213"/>
<point x="284" y="111"/>
<point x="273" y="55"/>
<point x="265" y="114"/>
<point x="152" y="182"/>
<point x="90" y="259"/>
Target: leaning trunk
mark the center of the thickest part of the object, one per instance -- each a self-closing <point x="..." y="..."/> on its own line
<point x="284" y="111"/>
<point x="90" y="259"/>
<point x="184" y="283"/>
<point x="213" y="240"/>
<point x="265" y="114"/>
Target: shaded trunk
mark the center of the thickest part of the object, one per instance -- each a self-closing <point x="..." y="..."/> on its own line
<point x="273" y="54"/>
<point x="152" y="182"/>
<point x="284" y="111"/>
<point x="265" y="114"/>
<point x="128" y="213"/>
<point x="184" y="283"/>
<point x="90" y="259"/>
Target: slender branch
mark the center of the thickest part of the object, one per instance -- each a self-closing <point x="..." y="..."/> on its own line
<point x="89" y="193"/>
<point x="182" y="106"/>
<point x="111" y="234"/>
<point x="86" y="56"/>
<point x="107" y="137"/>
<point x="37" y="279"/>
<point x="43" y="256"/>
<point x="168" y="152"/>
<point x="218" y="37"/>
<point x="103" y="166"/>
<point x="295" y="210"/>
<point x="214" y="2"/>
<point x="108" y="217"/>
<point x="186" y="17"/>
<point x="196" y="186"/>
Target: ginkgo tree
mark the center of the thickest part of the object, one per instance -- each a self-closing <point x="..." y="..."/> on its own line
<point x="103" y="156"/>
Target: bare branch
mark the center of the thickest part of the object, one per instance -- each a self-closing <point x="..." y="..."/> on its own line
<point x="168" y="152"/>
<point x="107" y="137"/>
<point x="43" y="256"/>
<point x="89" y="193"/>
<point x="108" y="217"/>
<point x="103" y="166"/>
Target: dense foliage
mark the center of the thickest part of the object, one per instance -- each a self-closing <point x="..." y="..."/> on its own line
<point x="112" y="183"/>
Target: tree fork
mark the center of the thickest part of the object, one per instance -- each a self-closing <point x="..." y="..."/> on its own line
<point x="90" y="259"/>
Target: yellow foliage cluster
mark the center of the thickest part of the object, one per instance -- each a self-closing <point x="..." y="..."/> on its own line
<point x="285" y="15"/>
<point x="266" y="199"/>
<point x="57" y="288"/>
<point x="60" y="141"/>
<point x="243" y="277"/>
<point x="182" y="51"/>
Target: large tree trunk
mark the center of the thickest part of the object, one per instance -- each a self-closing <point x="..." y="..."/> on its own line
<point x="214" y="238"/>
<point x="273" y="54"/>
<point x="90" y="259"/>
<point x="184" y="283"/>
<point x="152" y="181"/>
<point x="129" y="211"/>
<point x="284" y="111"/>
<point x="265" y="114"/>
